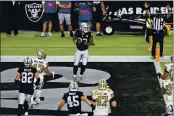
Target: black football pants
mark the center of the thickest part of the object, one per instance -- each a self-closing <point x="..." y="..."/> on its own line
<point x="158" y="37"/>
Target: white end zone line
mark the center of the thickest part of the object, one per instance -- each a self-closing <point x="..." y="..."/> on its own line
<point x="91" y="58"/>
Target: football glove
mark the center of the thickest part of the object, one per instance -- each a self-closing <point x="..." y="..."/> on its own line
<point x="38" y="81"/>
<point x="93" y="107"/>
<point x="53" y="74"/>
<point x="17" y="81"/>
<point x="159" y="75"/>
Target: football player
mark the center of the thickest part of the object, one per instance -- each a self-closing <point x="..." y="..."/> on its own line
<point x="167" y="86"/>
<point x="42" y="67"/>
<point x="83" y="39"/>
<point x="25" y="76"/>
<point x="73" y="99"/>
<point x="103" y="97"/>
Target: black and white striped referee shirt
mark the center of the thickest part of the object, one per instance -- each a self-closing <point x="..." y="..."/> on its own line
<point x="158" y="23"/>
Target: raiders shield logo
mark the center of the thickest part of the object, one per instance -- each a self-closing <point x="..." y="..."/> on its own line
<point x="34" y="12"/>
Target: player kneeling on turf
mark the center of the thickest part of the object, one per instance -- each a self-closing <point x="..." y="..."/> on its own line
<point x="42" y="67"/>
<point x="103" y="97"/>
<point x="73" y="99"/>
<point x="83" y="38"/>
<point x="167" y="87"/>
<point x="25" y="76"/>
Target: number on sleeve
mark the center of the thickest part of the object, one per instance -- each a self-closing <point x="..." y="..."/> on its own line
<point x="72" y="101"/>
<point x="27" y="77"/>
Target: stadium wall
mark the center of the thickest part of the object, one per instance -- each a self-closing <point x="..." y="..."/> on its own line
<point x="126" y="8"/>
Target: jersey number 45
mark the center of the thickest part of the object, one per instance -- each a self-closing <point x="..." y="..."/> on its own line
<point x="73" y="101"/>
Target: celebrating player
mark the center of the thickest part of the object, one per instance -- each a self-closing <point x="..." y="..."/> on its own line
<point x="167" y="87"/>
<point x="73" y="99"/>
<point x="83" y="38"/>
<point x="25" y="76"/>
<point x="103" y="97"/>
<point x="42" y="66"/>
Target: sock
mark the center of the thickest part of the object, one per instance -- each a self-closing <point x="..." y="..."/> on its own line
<point x="74" y="76"/>
<point x="80" y="75"/>
<point x="38" y="93"/>
<point x="83" y="67"/>
<point x="75" y="69"/>
<point x="20" y="108"/>
<point x="26" y="106"/>
<point x="62" y="32"/>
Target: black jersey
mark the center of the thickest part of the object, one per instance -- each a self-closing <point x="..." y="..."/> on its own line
<point x="73" y="100"/>
<point x="82" y="40"/>
<point x="27" y="79"/>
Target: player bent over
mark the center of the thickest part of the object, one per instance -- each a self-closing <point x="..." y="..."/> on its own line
<point x="25" y="77"/>
<point x="73" y="99"/>
<point x="83" y="39"/>
<point x="103" y="97"/>
<point x="167" y="87"/>
<point x="41" y="65"/>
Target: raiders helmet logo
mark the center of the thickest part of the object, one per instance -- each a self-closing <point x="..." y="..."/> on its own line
<point x="34" y="12"/>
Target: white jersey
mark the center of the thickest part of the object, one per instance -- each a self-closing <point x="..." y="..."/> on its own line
<point x="40" y="65"/>
<point x="169" y="69"/>
<point x="102" y="98"/>
<point x="168" y="86"/>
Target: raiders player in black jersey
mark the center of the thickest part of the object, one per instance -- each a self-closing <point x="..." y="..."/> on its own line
<point x="25" y="77"/>
<point x="82" y="38"/>
<point x="73" y="99"/>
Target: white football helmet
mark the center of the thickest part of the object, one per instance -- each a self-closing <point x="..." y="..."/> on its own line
<point x="28" y="62"/>
<point x="84" y="27"/>
<point x="73" y="86"/>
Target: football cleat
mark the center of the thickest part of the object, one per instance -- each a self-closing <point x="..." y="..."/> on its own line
<point x="49" y="34"/>
<point x="26" y="114"/>
<point x="43" y="34"/>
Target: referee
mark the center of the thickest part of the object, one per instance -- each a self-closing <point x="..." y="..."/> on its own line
<point x="158" y="28"/>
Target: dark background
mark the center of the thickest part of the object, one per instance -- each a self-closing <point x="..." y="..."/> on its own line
<point x="25" y="24"/>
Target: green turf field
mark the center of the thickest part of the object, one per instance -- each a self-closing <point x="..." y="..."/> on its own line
<point x="115" y="45"/>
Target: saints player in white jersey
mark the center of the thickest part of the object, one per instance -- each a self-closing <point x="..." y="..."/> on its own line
<point x="103" y="97"/>
<point x="42" y="67"/>
<point x="167" y="87"/>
